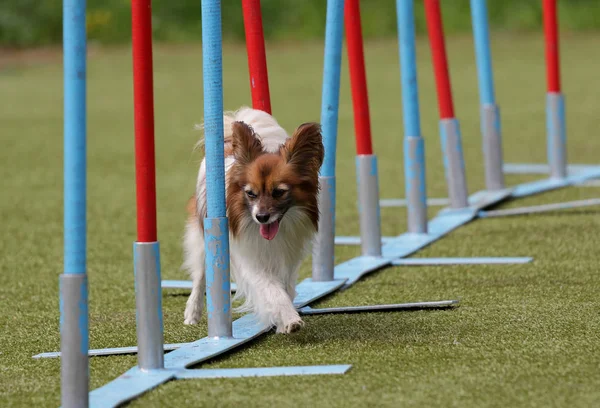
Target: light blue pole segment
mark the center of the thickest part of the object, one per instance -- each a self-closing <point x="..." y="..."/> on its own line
<point x="218" y="286"/>
<point x="408" y="67"/>
<point x="331" y="83"/>
<point x="75" y="46"/>
<point x="212" y="57"/>
<point x="414" y="147"/>
<point x="74" y="325"/>
<point x="481" y="34"/>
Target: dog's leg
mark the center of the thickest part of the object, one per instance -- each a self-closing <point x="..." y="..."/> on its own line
<point x="194" y="263"/>
<point x="268" y="297"/>
<point x="290" y="283"/>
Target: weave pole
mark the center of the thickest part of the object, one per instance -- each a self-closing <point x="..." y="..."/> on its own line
<point x="216" y="225"/>
<point x="555" y="105"/>
<point x="449" y="126"/>
<point x="366" y="162"/>
<point x="414" y="145"/>
<point x="146" y="250"/>
<point x="324" y="245"/>
<point x="257" y="59"/>
<point x="489" y="111"/>
<point x="74" y="321"/>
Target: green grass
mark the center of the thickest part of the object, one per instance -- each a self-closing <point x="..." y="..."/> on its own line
<point x="523" y="336"/>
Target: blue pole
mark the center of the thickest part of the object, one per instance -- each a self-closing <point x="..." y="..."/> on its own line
<point x="414" y="147"/>
<point x="74" y="43"/>
<point x="216" y="232"/>
<point x="481" y="34"/>
<point x="323" y="248"/>
<point x="489" y="111"/>
<point x="331" y="83"/>
<point x="74" y="327"/>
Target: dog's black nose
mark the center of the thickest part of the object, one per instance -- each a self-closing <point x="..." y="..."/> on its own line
<point x="263" y="218"/>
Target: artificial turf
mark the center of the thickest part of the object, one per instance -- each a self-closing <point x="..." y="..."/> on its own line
<point x="523" y="336"/>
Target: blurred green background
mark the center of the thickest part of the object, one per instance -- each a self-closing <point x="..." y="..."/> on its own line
<point x="28" y="23"/>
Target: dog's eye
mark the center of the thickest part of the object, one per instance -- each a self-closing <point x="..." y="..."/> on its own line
<point x="250" y="194"/>
<point x="278" y="192"/>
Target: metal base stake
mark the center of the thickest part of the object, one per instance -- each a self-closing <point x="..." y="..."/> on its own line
<point x="454" y="163"/>
<point x="379" y="308"/>
<point x="539" y="208"/>
<point x="368" y="204"/>
<point x="323" y="253"/>
<point x="148" y="302"/>
<point x="492" y="147"/>
<point x="461" y="261"/>
<point x="74" y="368"/>
<point x="185" y="284"/>
<point x="541" y="168"/>
<point x="556" y="134"/>
<point x="206" y="373"/>
<point x="403" y="202"/>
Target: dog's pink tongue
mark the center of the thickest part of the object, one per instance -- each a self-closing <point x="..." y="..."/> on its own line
<point x="268" y="231"/>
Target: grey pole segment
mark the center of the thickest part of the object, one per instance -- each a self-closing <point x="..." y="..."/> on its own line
<point x="492" y="147"/>
<point x="454" y="163"/>
<point x="218" y="284"/>
<point x="323" y="252"/>
<point x="416" y="196"/>
<point x="148" y="303"/>
<point x="74" y="349"/>
<point x="555" y="127"/>
<point x="368" y="204"/>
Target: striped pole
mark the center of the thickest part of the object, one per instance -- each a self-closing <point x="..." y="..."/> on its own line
<point x="257" y="60"/>
<point x="414" y="146"/>
<point x="74" y="326"/>
<point x="555" y="105"/>
<point x="366" y="161"/>
<point x="146" y="250"/>
<point x="216" y="225"/>
<point x="489" y="111"/>
<point x="323" y="248"/>
<point x="449" y="126"/>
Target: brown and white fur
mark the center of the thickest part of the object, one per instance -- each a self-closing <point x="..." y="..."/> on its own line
<point x="271" y="196"/>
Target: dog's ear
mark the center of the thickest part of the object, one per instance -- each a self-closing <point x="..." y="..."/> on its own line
<point x="245" y="145"/>
<point x="304" y="149"/>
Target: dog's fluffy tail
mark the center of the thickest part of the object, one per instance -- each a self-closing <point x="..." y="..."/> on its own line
<point x="264" y="124"/>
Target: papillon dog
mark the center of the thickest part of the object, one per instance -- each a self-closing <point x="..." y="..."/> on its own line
<point x="272" y="184"/>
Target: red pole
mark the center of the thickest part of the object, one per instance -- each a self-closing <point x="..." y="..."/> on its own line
<point x="141" y="15"/>
<point x="358" y="78"/>
<point x="435" y="29"/>
<point x="551" y="37"/>
<point x="257" y="59"/>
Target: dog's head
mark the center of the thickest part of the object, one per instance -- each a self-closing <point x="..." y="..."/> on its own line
<point x="265" y="186"/>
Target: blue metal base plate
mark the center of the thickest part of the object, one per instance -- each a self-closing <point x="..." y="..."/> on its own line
<point x="540" y="186"/>
<point x="134" y="382"/>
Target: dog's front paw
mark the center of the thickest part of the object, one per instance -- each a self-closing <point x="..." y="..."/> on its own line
<point x="193" y="312"/>
<point x="291" y="327"/>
